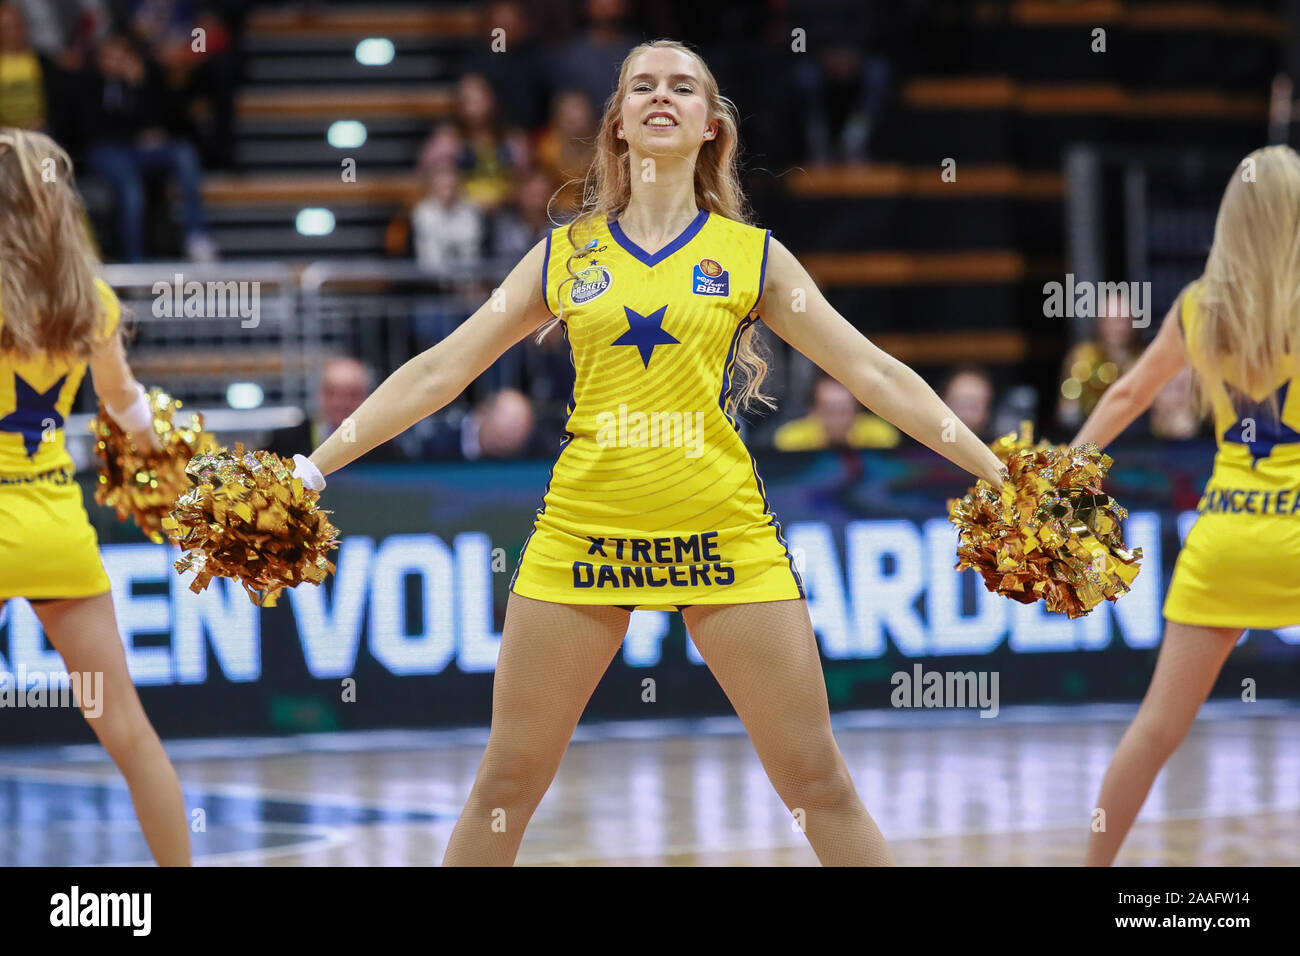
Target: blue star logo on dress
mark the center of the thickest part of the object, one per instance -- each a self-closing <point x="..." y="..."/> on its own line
<point x="33" y="411"/>
<point x="1269" y="430"/>
<point x="645" y="332"/>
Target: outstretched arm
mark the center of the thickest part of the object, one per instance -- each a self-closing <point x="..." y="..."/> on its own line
<point x="1132" y="393"/>
<point x="878" y="380"/>
<point x="436" y="376"/>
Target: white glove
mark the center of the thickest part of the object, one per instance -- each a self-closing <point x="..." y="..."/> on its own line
<point x="305" y="468"/>
<point x="136" y="417"/>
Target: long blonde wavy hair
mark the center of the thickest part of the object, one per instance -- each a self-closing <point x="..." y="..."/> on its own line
<point x="1250" y="291"/>
<point x="607" y="189"/>
<point x="47" y="261"/>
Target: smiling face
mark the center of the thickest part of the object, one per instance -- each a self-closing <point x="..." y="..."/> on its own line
<point x="665" y="107"/>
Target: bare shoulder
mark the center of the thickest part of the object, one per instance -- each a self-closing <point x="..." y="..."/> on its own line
<point x="782" y="266"/>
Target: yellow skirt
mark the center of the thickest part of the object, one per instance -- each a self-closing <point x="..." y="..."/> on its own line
<point x="1240" y="564"/>
<point x="47" y="547"/>
<point x="666" y="571"/>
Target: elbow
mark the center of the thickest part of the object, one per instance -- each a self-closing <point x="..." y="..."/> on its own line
<point x="1123" y="394"/>
<point x="876" y="377"/>
<point x="433" y="385"/>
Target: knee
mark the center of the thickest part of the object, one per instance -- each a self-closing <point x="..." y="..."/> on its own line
<point x="1161" y="736"/>
<point x="512" y="780"/>
<point x="830" y="789"/>
<point x="814" y="777"/>
<point x="122" y="738"/>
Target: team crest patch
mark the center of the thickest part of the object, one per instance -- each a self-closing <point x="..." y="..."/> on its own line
<point x="591" y="283"/>
<point x="710" y="278"/>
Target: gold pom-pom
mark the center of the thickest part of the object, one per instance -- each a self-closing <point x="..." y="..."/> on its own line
<point x="139" y="483"/>
<point x="1013" y="443"/>
<point x="246" y="517"/>
<point x="1052" y="534"/>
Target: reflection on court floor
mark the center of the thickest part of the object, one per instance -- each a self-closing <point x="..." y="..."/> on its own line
<point x="946" y="788"/>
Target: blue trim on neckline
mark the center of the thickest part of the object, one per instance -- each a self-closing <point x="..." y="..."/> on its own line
<point x="649" y="259"/>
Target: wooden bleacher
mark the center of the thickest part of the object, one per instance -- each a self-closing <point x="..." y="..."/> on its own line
<point x="895" y="246"/>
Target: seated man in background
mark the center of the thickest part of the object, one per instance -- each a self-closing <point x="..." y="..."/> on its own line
<point x="503" y="425"/>
<point x="836" y="420"/>
<point x="125" y="108"/>
<point x="344" y="385"/>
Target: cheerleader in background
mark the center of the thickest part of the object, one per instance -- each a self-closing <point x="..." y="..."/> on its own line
<point x="56" y="318"/>
<point x="1238" y="326"/>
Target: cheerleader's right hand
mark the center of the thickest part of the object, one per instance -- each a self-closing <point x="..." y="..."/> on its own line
<point x="305" y="468"/>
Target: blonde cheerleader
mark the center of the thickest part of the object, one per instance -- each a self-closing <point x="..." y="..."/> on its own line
<point x="654" y="501"/>
<point x="56" y="319"/>
<point x="1238" y="327"/>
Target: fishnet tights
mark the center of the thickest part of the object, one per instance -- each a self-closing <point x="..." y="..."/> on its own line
<point x="1188" y="665"/>
<point x="763" y="655"/>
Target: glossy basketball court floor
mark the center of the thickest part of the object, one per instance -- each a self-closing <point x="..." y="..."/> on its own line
<point x="947" y="789"/>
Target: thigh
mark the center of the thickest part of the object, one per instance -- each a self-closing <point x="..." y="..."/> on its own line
<point x="177" y="157"/>
<point x="551" y="658"/>
<point x="765" y="658"/>
<point x="84" y="632"/>
<point x="1188" y="664"/>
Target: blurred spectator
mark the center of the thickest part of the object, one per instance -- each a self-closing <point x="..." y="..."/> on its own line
<point x="548" y="369"/>
<point x="447" y="229"/>
<point x="484" y="152"/>
<point x="502" y="425"/>
<point x="567" y="147"/>
<point x="344" y="384"/>
<point x="22" y="85"/>
<point x="60" y="29"/>
<point x="194" y="44"/>
<point x="843" y="79"/>
<point x="519" y="71"/>
<point x="127" y="141"/>
<point x="1091" y="366"/>
<point x="518" y="226"/>
<point x="589" y="62"/>
<point x="65" y="35"/>
<point x="969" y="392"/>
<point x="836" y="420"/>
<point x="1018" y="404"/>
<point x="1174" y="413"/>
<point x="441" y="148"/>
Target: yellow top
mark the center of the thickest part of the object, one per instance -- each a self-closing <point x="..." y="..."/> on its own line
<point x="1253" y="444"/>
<point x="654" y="500"/>
<point x="36" y="396"/>
<point x="653" y="339"/>
<point x="22" y="92"/>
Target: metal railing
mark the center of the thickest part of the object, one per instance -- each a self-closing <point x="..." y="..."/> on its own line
<point x="380" y="311"/>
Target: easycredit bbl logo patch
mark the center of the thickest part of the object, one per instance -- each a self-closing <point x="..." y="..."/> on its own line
<point x="710" y="278"/>
<point x="591" y="283"/>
